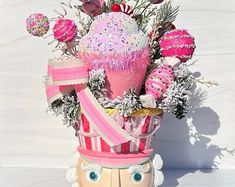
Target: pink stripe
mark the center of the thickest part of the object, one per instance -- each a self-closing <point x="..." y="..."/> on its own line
<point x="125" y="147"/>
<point x="115" y="159"/>
<point x="160" y="84"/>
<point x="144" y="131"/>
<point x="113" y="135"/>
<point x="104" y="146"/>
<point x="96" y="116"/>
<point x="49" y="69"/>
<point x="163" y="78"/>
<point x="69" y="73"/>
<point x="109" y="162"/>
<point x="52" y="90"/>
<point x="167" y="72"/>
<point x="86" y="128"/>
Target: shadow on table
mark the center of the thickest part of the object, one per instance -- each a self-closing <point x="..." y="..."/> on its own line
<point x="186" y="144"/>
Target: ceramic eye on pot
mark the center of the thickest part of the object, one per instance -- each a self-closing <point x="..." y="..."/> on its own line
<point x="93" y="176"/>
<point x="137" y="177"/>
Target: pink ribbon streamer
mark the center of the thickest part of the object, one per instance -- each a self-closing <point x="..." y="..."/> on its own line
<point x="66" y="73"/>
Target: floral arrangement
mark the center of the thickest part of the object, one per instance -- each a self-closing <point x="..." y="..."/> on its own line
<point x="123" y="64"/>
<point x="168" y="83"/>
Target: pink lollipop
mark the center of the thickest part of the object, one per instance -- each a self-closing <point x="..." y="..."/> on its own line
<point x="159" y="80"/>
<point x="37" y="24"/>
<point x="65" y="30"/>
<point x="177" y="43"/>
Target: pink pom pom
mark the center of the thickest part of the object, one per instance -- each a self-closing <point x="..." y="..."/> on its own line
<point x="159" y="80"/>
<point x="65" y="30"/>
<point x="177" y="43"/>
<point x="37" y="24"/>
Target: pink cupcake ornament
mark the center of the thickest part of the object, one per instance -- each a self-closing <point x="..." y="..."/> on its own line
<point x="37" y="24"/>
<point x="177" y="43"/>
<point x="116" y="44"/>
<point x="159" y="80"/>
<point x="65" y="30"/>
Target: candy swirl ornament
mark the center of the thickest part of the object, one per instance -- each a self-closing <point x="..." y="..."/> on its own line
<point x="65" y="30"/>
<point x="177" y="43"/>
<point x="37" y="24"/>
<point x="125" y="8"/>
<point x="159" y="80"/>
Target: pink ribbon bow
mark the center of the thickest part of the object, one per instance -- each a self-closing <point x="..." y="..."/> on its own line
<point x="68" y="73"/>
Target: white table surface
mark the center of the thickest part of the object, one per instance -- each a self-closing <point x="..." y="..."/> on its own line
<point x="32" y="141"/>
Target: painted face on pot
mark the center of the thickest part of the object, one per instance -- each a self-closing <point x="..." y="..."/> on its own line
<point x="93" y="175"/>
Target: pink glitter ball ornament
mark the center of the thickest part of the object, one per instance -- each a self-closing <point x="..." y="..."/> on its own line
<point x="159" y="80"/>
<point x="37" y="24"/>
<point x="65" y="30"/>
<point x="177" y="43"/>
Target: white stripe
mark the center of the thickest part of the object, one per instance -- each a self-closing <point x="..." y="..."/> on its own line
<point x="98" y="140"/>
<point x="118" y="148"/>
<point x="148" y="140"/>
<point x="79" y="142"/>
<point x="79" y="139"/>
<point x="132" y="147"/>
<point x="126" y="8"/>
<point x="122" y="8"/>
<point x="112" y="149"/>
<point x="137" y="142"/>
<point x="82" y="141"/>
<point x="93" y="146"/>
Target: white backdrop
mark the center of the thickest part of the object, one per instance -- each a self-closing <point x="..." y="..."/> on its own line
<point x="31" y="138"/>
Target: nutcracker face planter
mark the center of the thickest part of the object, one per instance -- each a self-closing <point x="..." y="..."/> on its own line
<point x="112" y="84"/>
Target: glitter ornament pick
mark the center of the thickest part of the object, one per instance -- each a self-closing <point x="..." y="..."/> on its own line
<point x="37" y="24"/>
<point x="159" y="80"/>
<point x="177" y="43"/>
<point x="65" y="30"/>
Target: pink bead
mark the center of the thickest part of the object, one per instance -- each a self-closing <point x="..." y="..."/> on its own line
<point x="159" y="80"/>
<point x="65" y="30"/>
<point x="177" y="43"/>
<point x="37" y="24"/>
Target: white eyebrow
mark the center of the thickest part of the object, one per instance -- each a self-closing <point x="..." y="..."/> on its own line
<point x="141" y="168"/>
<point x="91" y="167"/>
